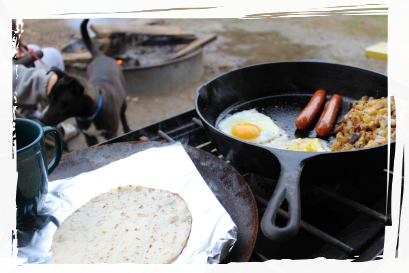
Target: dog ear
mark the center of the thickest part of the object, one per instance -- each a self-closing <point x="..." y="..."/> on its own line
<point x="69" y="83"/>
<point x="73" y="84"/>
<point x="57" y="71"/>
<point x="77" y="87"/>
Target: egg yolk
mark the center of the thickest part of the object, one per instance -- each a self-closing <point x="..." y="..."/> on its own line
<point x="245" y="131"/>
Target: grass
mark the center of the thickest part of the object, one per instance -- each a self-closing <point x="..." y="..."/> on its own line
<point x="374" y="14"/>
<point x="376" y="19"/>
<point x="373" y="18"/>
<point x="350" y="23"/>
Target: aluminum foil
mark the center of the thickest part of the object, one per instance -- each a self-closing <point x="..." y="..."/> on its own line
<point x="213" y="232"/>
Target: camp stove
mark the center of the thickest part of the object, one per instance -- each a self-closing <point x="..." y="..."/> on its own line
<point x="339" y="220"/>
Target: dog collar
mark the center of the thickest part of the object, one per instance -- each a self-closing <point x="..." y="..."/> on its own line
<point x="96" y="112"/>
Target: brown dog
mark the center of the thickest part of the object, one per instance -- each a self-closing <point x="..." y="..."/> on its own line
<point x="98" y="103"/>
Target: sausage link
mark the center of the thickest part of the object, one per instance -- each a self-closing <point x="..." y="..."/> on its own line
<point x="328" y="116"/>
<point x="311" y="110"/>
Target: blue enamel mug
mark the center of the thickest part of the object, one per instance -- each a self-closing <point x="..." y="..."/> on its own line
<point x="23" y="168"/>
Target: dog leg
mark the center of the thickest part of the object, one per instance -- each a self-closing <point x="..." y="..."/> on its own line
<point x="91" y="140"/>
<point x="109" y="134"/>
<point x="123" y="119"/>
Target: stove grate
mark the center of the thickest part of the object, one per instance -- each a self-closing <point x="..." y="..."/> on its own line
<point x="362" y="236"/>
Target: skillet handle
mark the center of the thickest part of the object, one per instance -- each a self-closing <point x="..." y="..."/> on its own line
<point x="288" y="188"/>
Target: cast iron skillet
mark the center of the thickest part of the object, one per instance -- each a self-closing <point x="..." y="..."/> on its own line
<point x="281" y="90"/>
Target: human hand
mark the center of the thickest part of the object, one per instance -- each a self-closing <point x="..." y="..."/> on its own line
<point x="19" y="52"/>
<point x="53" y="79"/>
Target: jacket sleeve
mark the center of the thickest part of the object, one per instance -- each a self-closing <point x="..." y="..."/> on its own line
<point x="29" y="84"/>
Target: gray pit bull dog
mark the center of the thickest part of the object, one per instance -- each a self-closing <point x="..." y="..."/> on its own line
<point x="97" y="103"/>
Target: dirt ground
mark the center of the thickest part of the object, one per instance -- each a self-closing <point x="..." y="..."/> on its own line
<point x="337" y="38"/>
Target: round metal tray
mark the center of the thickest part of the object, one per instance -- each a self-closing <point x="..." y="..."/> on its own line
<point x="229" y="187"/>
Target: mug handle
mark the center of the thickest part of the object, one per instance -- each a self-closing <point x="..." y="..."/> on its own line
<point x="57" y="150"/>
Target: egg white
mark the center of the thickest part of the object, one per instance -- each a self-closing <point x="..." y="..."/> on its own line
<point x="269" y="130"/>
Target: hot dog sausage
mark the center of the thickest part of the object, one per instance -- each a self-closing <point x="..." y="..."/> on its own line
<point x="310" y="111"/>
<point x="328" y="116"/>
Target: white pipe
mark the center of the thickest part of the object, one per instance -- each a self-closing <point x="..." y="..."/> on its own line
<point x="398" y="38"/>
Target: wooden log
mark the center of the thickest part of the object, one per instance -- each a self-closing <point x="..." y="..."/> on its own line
<point x="193" y="46"/>
<point x="146" y="21"/>
<point x="105" y="30"/>
<point x="70" y="58"/>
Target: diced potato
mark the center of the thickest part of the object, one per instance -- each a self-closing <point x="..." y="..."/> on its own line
<point x="371" y="111"/>
<point x="339" y="127"/>
<point x="383" y="132"/>
<point x="355" y="120"/>
<point x="368" y="136"/>
<point x="359" y="144"/>
<point x="372" y="125"/>
<point x="395" y="113"/>
<point x="366" y="118"/>
<point x="390" y="99"/>
<point x="364" y="126"/>
<point x="380" y="140"/>
<point x="341" y="138"/>
<point x="358" y="114"/>
<point x="372" y="103"/>
<point x="369" y="118"/>
<point x="347" y="147"/>
<point x="376" y="132"/>
<point x="390" y="136"/>
<point x="393" y="122"/>
<point x="395" y="106"/>
<point x="371" y="143"/>
<point x="382" y="104"/>
<point x="383" y="123"/>
<point x="383" y="111"/>
<point x="336" y="146"/>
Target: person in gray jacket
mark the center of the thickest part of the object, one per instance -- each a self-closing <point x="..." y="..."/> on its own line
<point x="18" y="83"/>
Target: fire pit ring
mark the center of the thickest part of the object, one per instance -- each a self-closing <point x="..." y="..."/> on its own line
<point x="152" y="78"/>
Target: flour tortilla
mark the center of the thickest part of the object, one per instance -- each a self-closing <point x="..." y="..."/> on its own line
<point x="129" y="224"/>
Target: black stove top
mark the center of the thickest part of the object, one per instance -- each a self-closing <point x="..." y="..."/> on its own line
<point x="339" y="220"/>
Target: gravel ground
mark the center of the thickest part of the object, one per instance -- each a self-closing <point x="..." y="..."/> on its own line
<point x="337" y="38"/>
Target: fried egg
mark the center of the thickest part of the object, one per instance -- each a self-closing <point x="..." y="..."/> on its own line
<point x="251" y="126"/>
<point x="305" y="145"/>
